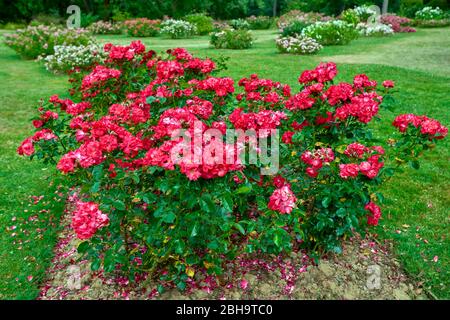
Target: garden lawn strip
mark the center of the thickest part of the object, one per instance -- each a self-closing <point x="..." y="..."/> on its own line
<point x="28" y="233"/>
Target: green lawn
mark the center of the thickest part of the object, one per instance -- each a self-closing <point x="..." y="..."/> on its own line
<point x="416" y="210"/>
<point x="23" y="83"/>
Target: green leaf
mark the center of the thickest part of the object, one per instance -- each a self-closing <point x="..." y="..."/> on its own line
<point x="135" y="178"/>
<point x="194" y="231"/>
<point x="109" y="263"/>
<point x="162" y="99"/>
<point x="277" y="240"/>
<point x="181" y="285"/>
<point x="95" y="265"/>
<point x="227" y="203"/>
<point x="380" y="197"/>
<point x="96" y="187"/>
<point x="389" y="172"/>
<point x="414" y="164"/>
<point x="179" y="247"/>
<point x="320" y="225"/>
<point x="213" y="245"/>
<point x="244" y="189"/>
<point x="240" y="228"/>
<point x="150" y="99"/>
<point x="149" y="198"/>
<point x="207" y="203"/>
<point x="169" y="217"/>
<point x="326" y="202"/>
<point x="97" y="172"/>
<point x="159" y="211"/>
<point x="341" y="212"/>
<point x="83" y="247"/>
<point x="119" y="205"/>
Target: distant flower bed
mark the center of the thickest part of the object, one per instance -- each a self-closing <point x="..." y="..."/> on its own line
<point x="202" y="22"/>
<point x="331" y="32"/>
<point x="379" y="29"/>
<point x="232" y="39"/>
<point x="142" y="27"/>
<point x="293" y="29"/>
<point x="220" y="25"/>
<point x="431" y="17"/>
<point x="33" y="42"/>
<point x="364" y="12"/>
<point x="105" y="27"/>
<point x="297" y="15"/>
<point x="239" y="24"/>
<point x="13" y="26"/>
<point x="432" y="23"/>
<point x="398" y="24"/>
<point x="177" y="29"/>
<point x="298" y="45"/>
<point x="66" y="58"/>
<point x="350" y="16"/>
<point x="430" y="13"/>
<point x="259" y="23"/>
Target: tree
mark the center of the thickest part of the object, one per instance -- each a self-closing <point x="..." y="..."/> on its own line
<point x="385" y="6"/>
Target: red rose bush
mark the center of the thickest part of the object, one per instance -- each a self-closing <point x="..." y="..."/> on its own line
<point x="159" y="185"/>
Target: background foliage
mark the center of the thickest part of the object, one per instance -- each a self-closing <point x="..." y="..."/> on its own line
<point x="219" y="9"/>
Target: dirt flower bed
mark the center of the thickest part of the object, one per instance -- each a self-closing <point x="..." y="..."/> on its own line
<point x="350" y="275"/>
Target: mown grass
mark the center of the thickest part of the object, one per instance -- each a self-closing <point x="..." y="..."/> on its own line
<point x="27" y="250"/>
<point x="417" y="201"/>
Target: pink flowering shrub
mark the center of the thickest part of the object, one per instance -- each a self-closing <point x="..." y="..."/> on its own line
<point x="142" y="27"/>
<point x="398" y="24"/>
<point x="105" y="27"/>
<point x="140" y="208"/>
<point x="40" y="41"/>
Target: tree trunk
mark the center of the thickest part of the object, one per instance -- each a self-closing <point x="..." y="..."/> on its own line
<point x="385" y="6"/>
<point x="274" y="8"/>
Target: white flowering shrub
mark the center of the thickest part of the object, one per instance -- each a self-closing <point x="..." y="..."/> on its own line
<point x="105" y="27"/>
<point x="364" y="12"/>
<point x="177" y="29"/>
<point x="331" y="32"/>
<point x="298" y="45"/>
<point x="430" y="13"/>
<point x="378" y="29"/>
<point x="66" y="58"/>
<point x="239" y="24"/>
<point x="232" y="39"/>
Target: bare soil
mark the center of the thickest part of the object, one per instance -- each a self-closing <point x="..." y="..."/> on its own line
<point x="366" y="269"/>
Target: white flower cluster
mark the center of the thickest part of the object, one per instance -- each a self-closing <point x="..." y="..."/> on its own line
<point x="219" y="34"/>
<point x="177" y="29"/>
<point x="430" y="13"/>
<point x="239" y="24"/>
<point x="66" y="58"/>
<point x="365" y="12"/>
<point x="330" y="32"/>
<point x="232" y="39"/>
<point x="378" y="29"/>
<point x="298" y="45"/>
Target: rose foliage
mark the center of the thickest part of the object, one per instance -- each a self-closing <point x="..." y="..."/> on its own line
<point x="137" y="208"/>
